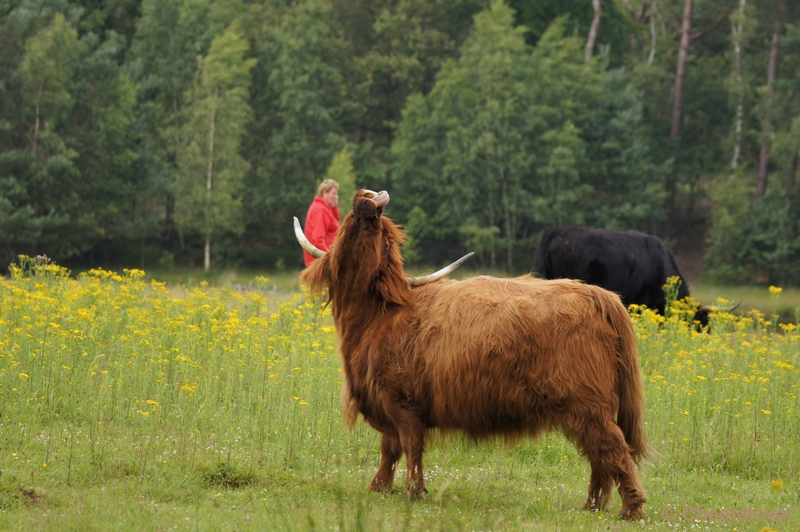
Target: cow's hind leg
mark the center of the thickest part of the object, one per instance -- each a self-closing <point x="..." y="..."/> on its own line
<point x="412" y="439"/>
<point x="601" y="483"/>
<point x="603" y="444"/>
<point x="390" y="455"/>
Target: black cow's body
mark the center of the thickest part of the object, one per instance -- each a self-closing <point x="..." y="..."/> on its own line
<point x="632" y="264"/>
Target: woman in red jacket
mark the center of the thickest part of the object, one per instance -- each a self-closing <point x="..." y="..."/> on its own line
<point x="322" y="219"/>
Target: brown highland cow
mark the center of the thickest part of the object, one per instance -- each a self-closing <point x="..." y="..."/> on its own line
<point x="487" y="356"/>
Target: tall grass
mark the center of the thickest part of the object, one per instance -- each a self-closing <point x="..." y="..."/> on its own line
<point x="125" y="407"/>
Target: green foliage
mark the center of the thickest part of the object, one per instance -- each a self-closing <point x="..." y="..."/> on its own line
<point x="398" y="48"/>
<point x="474" y="114"/>
<point x="210" y="182"/>
<point x="46" y="68"/>
<point x="302" y="105"/>
<point x="504" y="138"/>
<point x="483" y="241"/>
<point x="42" y="171"/>
<point x="616" y="26"/>
<point x="754" y="242"/>
<point x="341" y="170"/>
<point x="19" y="226"/>
<point x="561" y="192"/>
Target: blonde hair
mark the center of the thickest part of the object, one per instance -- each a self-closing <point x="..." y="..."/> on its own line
<point x="326" y="186"/>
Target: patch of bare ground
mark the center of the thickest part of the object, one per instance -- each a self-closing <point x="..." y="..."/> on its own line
<point x="13" y="495"/>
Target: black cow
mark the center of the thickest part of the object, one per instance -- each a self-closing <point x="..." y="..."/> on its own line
<point x="632" y="264"/>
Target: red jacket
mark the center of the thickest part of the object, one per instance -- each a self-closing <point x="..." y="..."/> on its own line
<point x="322" y="221"/>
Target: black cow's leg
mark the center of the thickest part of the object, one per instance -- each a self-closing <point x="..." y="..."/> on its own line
<point x="390" y="454"/>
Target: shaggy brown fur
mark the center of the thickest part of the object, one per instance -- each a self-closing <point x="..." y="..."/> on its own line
<point x="487" y="356"/>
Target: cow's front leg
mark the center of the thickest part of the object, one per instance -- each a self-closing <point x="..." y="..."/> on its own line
<point x="390" y="455"/>
<point x="412" y="439"/>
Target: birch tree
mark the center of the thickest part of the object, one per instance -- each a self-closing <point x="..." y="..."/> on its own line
<point x="50" y="59"/>
<point x="738" y="36"/>
<point x="211" y="169"/>
<point x="593" y="30"/>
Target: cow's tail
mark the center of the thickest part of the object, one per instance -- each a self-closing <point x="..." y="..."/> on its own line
<point x="630" y="416"/>
<point x="540" y="258"/>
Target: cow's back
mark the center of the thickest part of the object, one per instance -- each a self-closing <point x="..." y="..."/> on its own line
<point x="632" y="264"/>
<point x="495" y="349"/>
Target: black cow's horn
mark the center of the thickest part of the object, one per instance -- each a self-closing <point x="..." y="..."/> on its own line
<point x="308" y="246"/>
<point x="431" y="277"/>
<point x="721" y="308"/>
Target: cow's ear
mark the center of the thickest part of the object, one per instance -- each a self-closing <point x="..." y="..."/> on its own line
<point x="316" y="276"/>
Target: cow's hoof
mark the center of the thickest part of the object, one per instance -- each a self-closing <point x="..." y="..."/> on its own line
<point x="379" y="487"/>
<point x="634" y="512"/>
<point x="593" y="504"/>
<point x="416" y="493"/>
<point x="590" y="507"/>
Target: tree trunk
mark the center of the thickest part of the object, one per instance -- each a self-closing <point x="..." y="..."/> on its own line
<point x="737" y="51"/>
<point x="509" y="230"/>
<point x="142" y="249"/>
<point x="677" y="109"/>
<point x="35" y="202"/>
<point x="36" y="132"/>
<point x="168" y="235"/>
<point x="493" y="251"/>
<point x="772" y="72"/>
<point x="790" y="179"/>
<point x="652" y="34"/>
<point x="593" y="30"/>
<point x="209" y="180"/>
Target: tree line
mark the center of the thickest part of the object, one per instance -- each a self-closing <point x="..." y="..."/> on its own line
<point x="160" y="131"/>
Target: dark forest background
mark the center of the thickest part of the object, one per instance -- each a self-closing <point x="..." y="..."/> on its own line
<point x="181" y="132"/>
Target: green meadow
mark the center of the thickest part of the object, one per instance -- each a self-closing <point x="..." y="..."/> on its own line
<point x="128" y="404"/>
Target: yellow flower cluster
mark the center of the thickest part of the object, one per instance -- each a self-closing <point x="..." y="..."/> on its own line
<point x="120" y="349"/>
<point x="727" y="396"/>
<point x="209" y="374"/>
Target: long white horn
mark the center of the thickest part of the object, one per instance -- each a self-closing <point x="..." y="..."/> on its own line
<point x="379" y="198"/>
<point x="431" y="277"/>
<point x="308" y="246"/>
<point x="721" y="308"/>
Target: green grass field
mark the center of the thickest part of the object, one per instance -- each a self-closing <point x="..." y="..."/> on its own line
<point x="129" y="404"/>
<point x="287" y="282"/>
